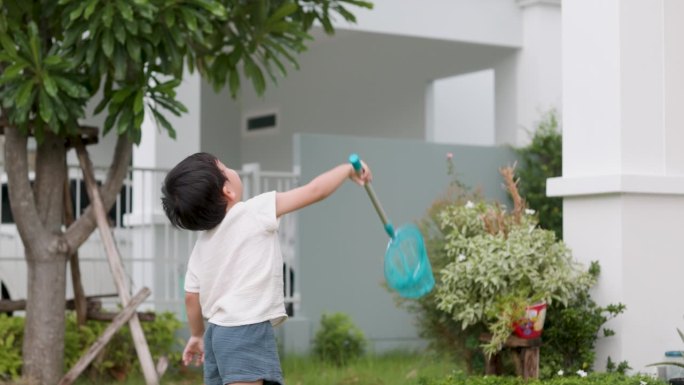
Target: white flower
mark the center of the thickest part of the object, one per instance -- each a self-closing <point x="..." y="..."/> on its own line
<point x="529" y="211"/>
<point x="449" y="155"/>
<point x="461" y="258"/>
<point x="581" y="373"/>
<point x="643" y="383"/>
<point x="469" y="205"/>
<point x="560" y="372"/>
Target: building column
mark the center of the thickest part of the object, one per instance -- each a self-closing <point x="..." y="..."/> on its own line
<point x="155" y="246"/>
<point x="623" y="166"/>
<point x="537" y="68"/>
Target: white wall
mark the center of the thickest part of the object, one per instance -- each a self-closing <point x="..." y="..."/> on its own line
<point x="359" y="84"/>
<point x="494" y="22"/>
<point x="101" y="153"/>
<point x="622" y="183"/>
<point x="157" y="149"/>
<point x="355" y="83"/>
<point x="220" y="121"/>
<point x="632" y="237"/>
<point x="460" y="109"/>
<point x="539" y="66"/>
<point x="337" y="275"/>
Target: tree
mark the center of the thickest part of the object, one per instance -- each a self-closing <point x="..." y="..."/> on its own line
<point x="57" y="55"/>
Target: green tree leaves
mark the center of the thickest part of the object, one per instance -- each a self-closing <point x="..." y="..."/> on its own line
<point x="56" y="56"/>
<point x="39" y="89"/>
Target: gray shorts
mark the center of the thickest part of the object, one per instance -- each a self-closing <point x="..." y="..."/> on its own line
<point x="241" y="354"/>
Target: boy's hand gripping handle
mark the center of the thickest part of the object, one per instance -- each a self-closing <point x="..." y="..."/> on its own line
<point x="356" y="163"/>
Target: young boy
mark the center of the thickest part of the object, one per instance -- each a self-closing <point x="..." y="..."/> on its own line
<point x="235" y="272"/>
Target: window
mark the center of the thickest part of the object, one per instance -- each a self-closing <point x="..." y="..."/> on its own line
<point x="257" y="123"/>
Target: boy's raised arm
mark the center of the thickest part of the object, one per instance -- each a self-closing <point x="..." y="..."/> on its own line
<point x="319" y="188"/>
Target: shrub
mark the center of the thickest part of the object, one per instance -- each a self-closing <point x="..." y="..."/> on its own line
<point x="11" y="334"/>
<point x="117" y="359"/>
<point x="540" y="160"/>
<point x="453" y="227"/>
<point x="500" y="261"/>
<point x="571" y="332"/>
<point x="338" y="341"/>
<point x="567" y="379"/>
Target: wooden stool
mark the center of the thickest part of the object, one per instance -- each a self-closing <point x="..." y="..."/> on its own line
<point x="526" y="356"/>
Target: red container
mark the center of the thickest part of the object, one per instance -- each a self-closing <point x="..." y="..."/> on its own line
<point x="532" y="324"/>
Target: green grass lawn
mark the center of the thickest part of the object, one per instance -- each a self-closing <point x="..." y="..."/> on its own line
<point x="394" y="369"/>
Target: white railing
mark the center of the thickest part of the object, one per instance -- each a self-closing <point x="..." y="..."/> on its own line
<point x="154" y="253"/>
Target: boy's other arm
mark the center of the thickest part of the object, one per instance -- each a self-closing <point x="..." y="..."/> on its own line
<point x="194" y="311"/>
<point x="194" y="349"/>
<point x="319" y="188"/>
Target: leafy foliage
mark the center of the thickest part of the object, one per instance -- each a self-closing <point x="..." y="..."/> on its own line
<point x="620" y="368"/>
<point x="499" y="262"/>
<point x="11" y="332"/>
<point x="566" y="379"/>
<point x="570" y="334"/>
<point x="540" y="160"/>
<point x="130" y="55"/>
<point x="118" y="358"/>
<point x="57" y="55"/>
<point x="493" y="270"/>
<point x="338" y="341"/>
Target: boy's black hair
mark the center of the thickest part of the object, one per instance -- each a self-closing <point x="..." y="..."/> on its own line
<point x="192" y="193"/>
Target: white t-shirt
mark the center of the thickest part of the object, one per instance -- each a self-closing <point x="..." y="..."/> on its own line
<point x="237" y="267"/>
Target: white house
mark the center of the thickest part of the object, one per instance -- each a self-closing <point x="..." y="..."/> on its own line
<point x="623" y="164"/>
<point x="413" y="79"/>
<point x="468" y="72"/>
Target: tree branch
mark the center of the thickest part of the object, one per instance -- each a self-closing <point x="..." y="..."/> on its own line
<point x="22" y="201"/>
<point x="49" y="183"/>
<point x="80" y="230"/>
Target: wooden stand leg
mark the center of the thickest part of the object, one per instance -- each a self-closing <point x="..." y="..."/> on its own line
<point x="115" y="265"/>
<point x="530" y="359"/>
<point x="117" y="323"/>
<point x="517" y="354"/>
<point x="525" y="354"/>
<point x="490" y="364"/>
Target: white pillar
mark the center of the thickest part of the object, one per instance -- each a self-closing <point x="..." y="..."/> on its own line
<point x="153" y="242"/>
<point x="623" y="166"/>
<point x="538" y="65"/>
<point x="157" y="149"/>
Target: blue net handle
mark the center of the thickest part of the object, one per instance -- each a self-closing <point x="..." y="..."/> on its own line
<point x="389" y="229"/>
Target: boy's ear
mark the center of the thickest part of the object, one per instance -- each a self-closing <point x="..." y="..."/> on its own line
<point x="228" y="193"/>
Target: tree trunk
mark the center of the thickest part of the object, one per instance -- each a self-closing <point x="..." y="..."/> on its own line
<point x="44" y="329"/>
<point x="46" y="254"/>
<point x="38" y="212"/>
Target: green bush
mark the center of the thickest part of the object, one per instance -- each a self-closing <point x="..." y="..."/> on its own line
<point x="11" y="333"/>
<point x="452" y="228"/>
<point x="443" y="334"/>
<point x="540" y="160"/>
<point x="338" y="341"/>
<point x="571" y="332"/>
<point x="566" y="379"/>
<point x="117" y="359"/>
<point x="500" y="261"/>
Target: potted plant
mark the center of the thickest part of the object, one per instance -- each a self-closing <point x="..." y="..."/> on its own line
<point x="501" y="263"/>
<point x="675" y="359"/>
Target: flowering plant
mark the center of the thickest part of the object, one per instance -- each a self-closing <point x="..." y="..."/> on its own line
<point x="501" y="261"/>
